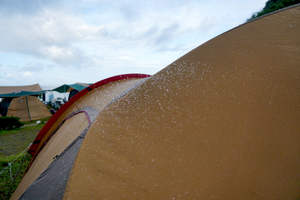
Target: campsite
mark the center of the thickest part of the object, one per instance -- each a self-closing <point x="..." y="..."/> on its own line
<point x="220" y="122"/>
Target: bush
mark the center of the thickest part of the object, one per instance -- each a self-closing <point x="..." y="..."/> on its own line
<point x="10" y="123"/>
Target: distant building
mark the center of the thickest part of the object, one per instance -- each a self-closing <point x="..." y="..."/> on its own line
<point x="51" y="96"/>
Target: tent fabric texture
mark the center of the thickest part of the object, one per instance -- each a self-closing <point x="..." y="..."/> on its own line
<point x="71" y="121"/>
<point x="17" y="91"/>
<point x="22" y="102"/>
<point x="220" y="122"/>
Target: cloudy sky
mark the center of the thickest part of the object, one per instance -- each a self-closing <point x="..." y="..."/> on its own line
<point x="53" y="42"/>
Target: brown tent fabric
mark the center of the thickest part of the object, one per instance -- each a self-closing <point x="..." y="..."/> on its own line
<point x="70" y="121"/>
<point x="68" y="131"/>
<point x="23" y="105"/>
<point x="28" y="108"/>
<point x="221" y="122"/>
<point x="11" y="89"/>
<point x="97" y="98"/>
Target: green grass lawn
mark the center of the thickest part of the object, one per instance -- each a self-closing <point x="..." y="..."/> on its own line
<point x="12" y="144"/>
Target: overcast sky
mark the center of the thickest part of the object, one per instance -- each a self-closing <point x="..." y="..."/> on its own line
<point x="53" y="42"/>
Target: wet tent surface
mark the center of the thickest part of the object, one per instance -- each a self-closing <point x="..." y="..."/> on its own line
<point x="62" y="129"/>
<point x="97" y="98"/>
<point x="221" y="122"/>
<point x="54" y="179"/>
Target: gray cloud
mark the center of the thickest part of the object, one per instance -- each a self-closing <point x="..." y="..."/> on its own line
<point x="105" y="35"/>
<point x="167" y="34"/>
<point x="34" y="66"/>
<point x="103" y="32"/>
<point x="65" y="56"/>
<point x="179" y="47"/>
<point x="130" y="12"/>
<point x="48" y="35"/>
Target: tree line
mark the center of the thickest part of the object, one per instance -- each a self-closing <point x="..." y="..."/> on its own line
<point x="273" y="5"/>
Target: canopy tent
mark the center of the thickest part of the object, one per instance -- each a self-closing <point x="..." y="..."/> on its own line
<point x="8" y="91"/>
<point x="17" y="91"/>
<point x="73" y="88"/>
<point x="68" y="87"/>
<point x="220" y="122"/>
<point x="20" y="93"/>
<point x="22" y="102"/>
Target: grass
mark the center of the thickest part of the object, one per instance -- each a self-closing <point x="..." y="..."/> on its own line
<point x="6" y="189"/>
<point x="12" y="144"/>
<point x="34" y="121"/>
<point x="15" y="141"/>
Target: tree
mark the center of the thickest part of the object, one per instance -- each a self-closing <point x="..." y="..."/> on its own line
<point x="273" y="5"/>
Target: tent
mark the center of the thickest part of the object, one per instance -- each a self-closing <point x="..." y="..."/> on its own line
<point x="22" y="102"/>
<point x="72" y="88"/>
<point x="73" y="118"/>
<point x="220" y="122"/>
